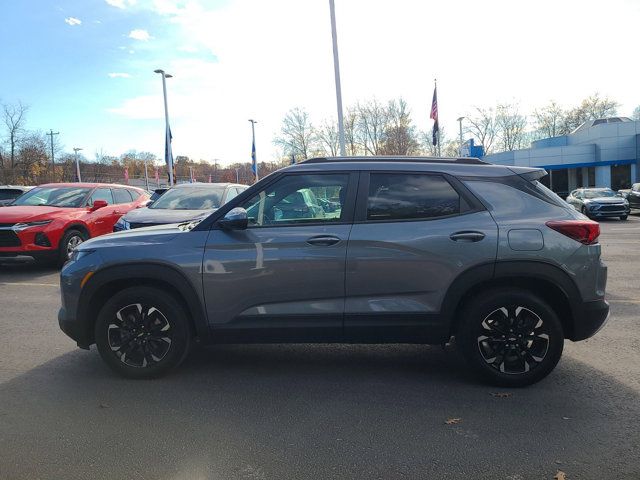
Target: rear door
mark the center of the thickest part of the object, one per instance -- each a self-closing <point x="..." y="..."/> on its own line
<point x="282" y="279"/>
<point x="413" y="235"/>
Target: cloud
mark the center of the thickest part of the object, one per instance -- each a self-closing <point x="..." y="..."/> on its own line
<point x="121" y="3"/>
<point x="72" y="21"/>
<point x="119" y="75"/>
<point x="139" y="34"/>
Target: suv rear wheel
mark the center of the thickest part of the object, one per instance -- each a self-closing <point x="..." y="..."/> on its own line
<point x="142" y="332"/>
<point x="510" y="336"/>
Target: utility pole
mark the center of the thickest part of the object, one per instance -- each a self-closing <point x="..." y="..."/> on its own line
<point x="336" y="67"/>
<point x="76" y="150"/>
<point x="53" y="162"/>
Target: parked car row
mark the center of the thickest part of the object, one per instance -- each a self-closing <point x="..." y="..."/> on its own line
<point x="47" y="222"/>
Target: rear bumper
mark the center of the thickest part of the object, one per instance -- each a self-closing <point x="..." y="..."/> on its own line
<point x="589" y="319"/>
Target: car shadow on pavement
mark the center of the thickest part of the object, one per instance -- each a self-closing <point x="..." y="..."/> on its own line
<point x="313" y="411"/>
<point x="21" y="268"/>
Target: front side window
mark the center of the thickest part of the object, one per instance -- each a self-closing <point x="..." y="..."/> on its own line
<point x="394" y="196"/>
<point x="299" y="199"/>
<point x="101" y="194"/>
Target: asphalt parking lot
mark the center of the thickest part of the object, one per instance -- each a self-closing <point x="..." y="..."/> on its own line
<point x="305" y="411"/>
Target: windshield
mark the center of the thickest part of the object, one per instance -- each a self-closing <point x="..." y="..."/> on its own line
<point x="605" y="192"/>
<point x="68" y="197"/>
<point x="190" y="198"/>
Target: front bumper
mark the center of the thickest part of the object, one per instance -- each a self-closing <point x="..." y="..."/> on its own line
<point x="589" y="319"/>
<point x="618" y="212"/>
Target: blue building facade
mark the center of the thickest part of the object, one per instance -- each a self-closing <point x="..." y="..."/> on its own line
<point x="599" y="153"/>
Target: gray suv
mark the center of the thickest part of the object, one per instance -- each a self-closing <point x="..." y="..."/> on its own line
<point x="412" y="250"/>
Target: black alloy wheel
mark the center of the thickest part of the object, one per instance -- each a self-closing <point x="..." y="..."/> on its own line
<point x="510" y="336"/>
<point x="143" y="332"/>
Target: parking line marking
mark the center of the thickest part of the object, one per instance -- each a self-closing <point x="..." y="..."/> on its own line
<point x="27" y="284"/>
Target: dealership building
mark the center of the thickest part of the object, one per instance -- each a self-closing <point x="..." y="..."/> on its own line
<point x="599" y="153"/>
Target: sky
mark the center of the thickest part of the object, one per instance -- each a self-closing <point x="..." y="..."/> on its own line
<point x="85" y="67"/>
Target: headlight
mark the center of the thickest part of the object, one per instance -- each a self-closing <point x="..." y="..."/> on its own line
<point x="78" y="254"/>
<point x="122" y="224"/>
<point x="21" y="226"/>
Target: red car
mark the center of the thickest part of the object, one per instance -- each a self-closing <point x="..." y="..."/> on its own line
<point x="49" y="221"/>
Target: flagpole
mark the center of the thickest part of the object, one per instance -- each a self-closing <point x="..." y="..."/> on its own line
<point x="336" y="68"/>
<point x="168" y="154"/>
<point x="254" y="161"/>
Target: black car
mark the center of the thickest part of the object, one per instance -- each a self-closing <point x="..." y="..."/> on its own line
<point x="182" y="203"/>
<point x="8" y="193"/>
<point x="599" y="203"/>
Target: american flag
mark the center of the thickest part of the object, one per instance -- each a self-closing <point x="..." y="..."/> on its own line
<point x="434" y="116"/>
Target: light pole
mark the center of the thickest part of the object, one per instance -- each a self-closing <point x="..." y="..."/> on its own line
<point x="336" y="68"/>
<point x="76" y="150"/>
<point x="237" y="175"/>
<point x="254" y="161"/>
<point x="168" y="155"/>
<point x="146" y="173"/>
<point x="460" y="122"/>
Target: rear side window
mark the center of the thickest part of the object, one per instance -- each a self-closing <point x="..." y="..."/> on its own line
<point x="400" y="196"/>
<point x="102" y="194"/>
<point x="120" y="195"/>
<point x="135" y="194"/>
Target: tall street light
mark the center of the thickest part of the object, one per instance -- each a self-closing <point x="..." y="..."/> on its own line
<point x="254" y="161"/>
<point x="459" y="120"/>
<point x="76" y="150"/>
<point x="168" y="154"/>
<point x="336" y="67"/>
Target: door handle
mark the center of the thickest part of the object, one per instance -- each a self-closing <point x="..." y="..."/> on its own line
<point x="118" y="212"/>
<point x="323" y="240"/>
<point x="467" y="236"/>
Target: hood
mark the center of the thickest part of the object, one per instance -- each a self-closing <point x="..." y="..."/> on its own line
<point x="140" y="236"/>
<point x="605" y="200"/>
<point x="31" y="213"/>
<point x="164" y="216"/>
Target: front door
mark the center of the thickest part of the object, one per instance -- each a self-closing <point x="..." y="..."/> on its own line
<point x="282" y="279"/>
<point x="101" y="221"/>
<point x="414" y="234"/>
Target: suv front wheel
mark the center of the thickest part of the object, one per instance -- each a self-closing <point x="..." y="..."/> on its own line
<point x="510" y="336"/>
<point x="142" y="332"/>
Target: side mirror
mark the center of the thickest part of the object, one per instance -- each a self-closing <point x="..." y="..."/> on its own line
<point x="98" y="204"/>
<point x="235" y="219"/>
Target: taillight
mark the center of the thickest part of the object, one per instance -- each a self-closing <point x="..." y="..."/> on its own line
<point x="583" y="231"/>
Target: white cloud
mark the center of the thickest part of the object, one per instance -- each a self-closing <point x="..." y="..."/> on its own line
<point x="140" y="34"/>
<point x="119" y="75"/>
<point x="121" y="3"/>
<point x="72" y="21"/>
<point x="273" y="56"/>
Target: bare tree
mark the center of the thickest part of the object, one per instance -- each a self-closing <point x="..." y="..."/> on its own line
<point x="14" y="117"/>
<point x="372" y="124"/>
<point x="511" y="127"/>
<point x="550" y="120"/>
<point x="426" y="142"/>
<point x="297" y="136"/>
<point x="591" y="108"/>
<point x="350" y="132"/>
<point x="636" y="113"/>
<point x="328" y="138"/>
<point x="482" y="125"/>
<point x="399" y="136"/>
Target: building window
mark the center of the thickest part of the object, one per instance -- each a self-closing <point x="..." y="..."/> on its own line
<point x="591" y="175"/>
<point x="620" y="176"/>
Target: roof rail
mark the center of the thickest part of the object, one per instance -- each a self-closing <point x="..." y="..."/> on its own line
<point x="398" y="158"/>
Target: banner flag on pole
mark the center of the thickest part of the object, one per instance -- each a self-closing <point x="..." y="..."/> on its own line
<point x="157" y="176"/>
<point x="126" y="174"/>
<point x="254" y="164"/>
<point x="168" y="153"/>
<point x="434" y="116"/>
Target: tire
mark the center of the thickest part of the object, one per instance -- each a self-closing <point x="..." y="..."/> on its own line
<point x="624" y="217"/>
<point x="71" y="239"/>
<point x="143" y="332"/>
<point x="496" y="351"/>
